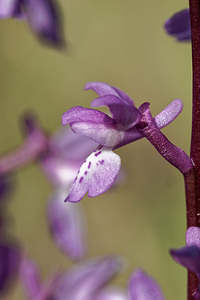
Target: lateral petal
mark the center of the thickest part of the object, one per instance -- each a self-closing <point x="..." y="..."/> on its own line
<point x="103" y="89"/>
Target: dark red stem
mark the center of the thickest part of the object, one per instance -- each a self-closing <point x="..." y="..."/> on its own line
<point x="193" y="198"/>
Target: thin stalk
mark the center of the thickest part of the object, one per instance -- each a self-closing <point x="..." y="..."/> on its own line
<point x="193" y="198"/>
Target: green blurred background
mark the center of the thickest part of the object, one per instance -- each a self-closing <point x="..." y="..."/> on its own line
<point x="121" y="43"/>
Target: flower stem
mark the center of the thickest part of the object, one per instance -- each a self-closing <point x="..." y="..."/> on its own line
<point x="195" y="141"/>
<point x="35" y="145"/>
<point x="194" y="183"/>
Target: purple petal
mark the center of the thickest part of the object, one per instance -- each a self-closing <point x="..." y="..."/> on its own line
<point x="169" y="113"/>
<point x="10" y="8"/>
<point x="66" y="144"/>
<point x="125" y="115"/>
<point x="188" y="257"/>
<point x="96" y="175"/>
<point x="93" y="124"/>
<point x="142" y="286"/>
<point x="179" y="25"/>
<point x="164" y="118"/>
<point x="30" y="277"/>
<point x="104" y="89"/>
<point x="84" y="280"/>
<point x="111" y="294"/>
<point x="59" y="171"/>
<point x="45" y="20"/>
<point x="31" y="280"/>
<point x="10" y="258"/>
<point x="68" y="226"/>
<point x="193" y="236"/>
<point x="82" y="114"/>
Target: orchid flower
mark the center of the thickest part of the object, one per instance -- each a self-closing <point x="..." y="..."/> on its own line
<point x="179" y="26"/>
<point x="99" y="171"/>
<point x="189" y="256"/>
<point x="43" y="17"/>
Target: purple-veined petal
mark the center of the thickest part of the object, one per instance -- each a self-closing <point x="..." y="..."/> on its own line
<point x="93" y="124"/>
<point x="169" y="113"/>
<point x="10" y="8"/>
<point x="103" y="89"/>
<point x="193" y="236"/>
<point x="179" y="25"/>
<point x="44" y="17"/>
<point x="96" y="175"/>
<point x="71" y="146"/>
<point x="30" y="278"/>
<point x="82" y="114"/>
<point x="84" y="280"/>
<point x="143" y="287"/>
<point x="68" y="226"/>
<point x="59" y="171"/>
<point x="188" y="257"/>
<point x="111" y="293"/>
<point x="125" y="115"/>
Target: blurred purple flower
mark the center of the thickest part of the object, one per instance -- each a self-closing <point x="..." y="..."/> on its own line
<point x="99" y="171"/>
<point x="43" y="17"/>
<point x="142" y="286"/>
<point x="81" y="282"/>
<point x="68" y="226"/>
<point x="179" y="26"/>
<point x="189" y="256"/>
<point x="67" y="223"/>
<point x="9" y="264"/>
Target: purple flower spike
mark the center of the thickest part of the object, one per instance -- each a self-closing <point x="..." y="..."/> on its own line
<point x="179" y="25"/>
<point x="143" y="287"/>
<point x="188" y="257"/>
<point x="96" y="175"/>
<point x="85" y="280"/>
<point x="67" y="226"/>
<point x="193" y="236"/>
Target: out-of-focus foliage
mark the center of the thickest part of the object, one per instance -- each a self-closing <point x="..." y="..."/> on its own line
<point x="124" y="44"/>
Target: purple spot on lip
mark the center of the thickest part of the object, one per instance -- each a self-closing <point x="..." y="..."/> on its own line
<point x="89" y="165"/>
<point x="101" y="161"/>
<point x="98" y="153"/>
<point x="85" y="173"/>
<point x="81" y="179"/>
